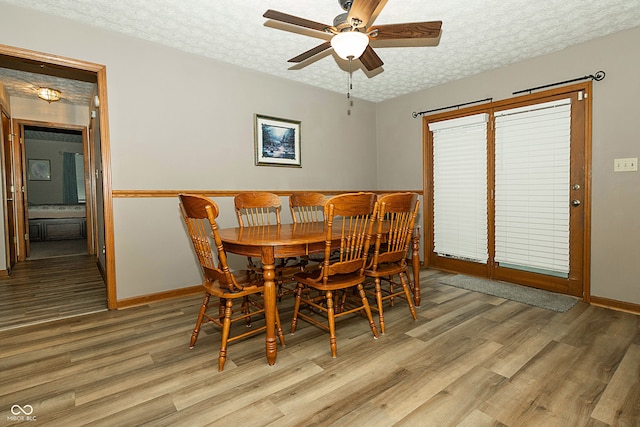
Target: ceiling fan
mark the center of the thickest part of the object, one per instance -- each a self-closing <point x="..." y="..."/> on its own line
<point x="352" y="31"/>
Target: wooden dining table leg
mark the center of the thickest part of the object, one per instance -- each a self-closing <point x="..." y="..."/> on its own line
<point x="268" y="272"/>
<point x="415" y="261"/>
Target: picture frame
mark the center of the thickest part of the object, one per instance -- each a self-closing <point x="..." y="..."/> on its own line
<point x="277" y="141"/>
<point x="39" y="170"/>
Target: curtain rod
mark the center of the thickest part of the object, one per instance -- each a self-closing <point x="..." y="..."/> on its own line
<point x="414" y="114"/>
<point x="597" y="77"/>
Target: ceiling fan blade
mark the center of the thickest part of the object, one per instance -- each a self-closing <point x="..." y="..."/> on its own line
<point x="295" y="20"/>
<point x="414" y="30"/>
<point x="311" y="52"/>
<point x="370" y="59"/>
<point x="362" y="10"/>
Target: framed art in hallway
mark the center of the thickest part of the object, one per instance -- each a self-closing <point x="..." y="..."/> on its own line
<point x="39" y="170"/>
<point x="277" y="141"/>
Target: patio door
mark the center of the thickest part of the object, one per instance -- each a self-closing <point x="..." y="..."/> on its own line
<point x="509" y="190"/>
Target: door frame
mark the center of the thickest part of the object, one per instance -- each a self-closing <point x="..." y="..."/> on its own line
<point x="100" y="71"/>
<point x="489" y="270"/>
<point x="9" y="187"/>
<point x="20" y="166"/>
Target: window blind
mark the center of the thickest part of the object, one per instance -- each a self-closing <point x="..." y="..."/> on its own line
<point x="460" y="187"/>
<point x="532" y="155"/>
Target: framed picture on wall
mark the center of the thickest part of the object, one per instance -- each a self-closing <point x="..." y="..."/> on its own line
<point x="277" y="142"/>
<point x="39" y="170"/>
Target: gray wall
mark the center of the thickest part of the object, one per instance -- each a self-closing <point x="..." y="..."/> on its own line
<point x="615" y="270"/>
<point x="197" y="133"/>
<point x="180" y="121"/>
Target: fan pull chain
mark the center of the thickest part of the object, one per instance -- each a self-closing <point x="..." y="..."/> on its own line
<point x="350" y="87"/>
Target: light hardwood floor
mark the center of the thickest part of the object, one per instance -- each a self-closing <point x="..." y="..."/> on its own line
<point x="470" y="360"/>
<point x="42" y="290"/>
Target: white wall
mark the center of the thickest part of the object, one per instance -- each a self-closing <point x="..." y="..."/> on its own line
<point x="615" y="233"/>
<point x="180" y="121"/>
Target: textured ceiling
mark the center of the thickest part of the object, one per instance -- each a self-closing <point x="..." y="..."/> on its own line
<point x="25" y="85"/>
<point x="477" y="35"/>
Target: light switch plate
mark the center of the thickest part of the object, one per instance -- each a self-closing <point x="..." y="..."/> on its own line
<point x="629" y="164"/>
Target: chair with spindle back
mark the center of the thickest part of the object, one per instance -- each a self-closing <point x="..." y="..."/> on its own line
<point x="199" y="214"/>
<point x="257" y="209"/>
<point x="394" y="228"/>
<point x="307" y="207"/>
<point x="353" y="216"/>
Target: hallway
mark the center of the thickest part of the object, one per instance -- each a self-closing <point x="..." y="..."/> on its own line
<point x="57" y="248"/>
<point x="48" y="289"/>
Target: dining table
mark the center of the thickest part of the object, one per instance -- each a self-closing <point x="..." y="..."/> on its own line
<point x="271" y="242"/>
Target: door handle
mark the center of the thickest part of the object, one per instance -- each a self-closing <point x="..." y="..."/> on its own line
<point x="575" y="202"/>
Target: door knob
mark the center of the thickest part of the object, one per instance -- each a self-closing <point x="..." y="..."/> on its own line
<point x="575" y="202"/>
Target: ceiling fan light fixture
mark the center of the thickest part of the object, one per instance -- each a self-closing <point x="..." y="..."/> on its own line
<point x="349" y="44"/>
<point x="48" y="94"/>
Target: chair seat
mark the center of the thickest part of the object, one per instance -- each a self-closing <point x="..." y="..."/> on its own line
<point x="387" y="269"/>
<point x="335" y="282"/>
<point x="250" y="284"/>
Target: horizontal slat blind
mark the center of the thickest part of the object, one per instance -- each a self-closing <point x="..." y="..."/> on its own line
<point x="460" y="187"/>
<point x="532" y="154"/>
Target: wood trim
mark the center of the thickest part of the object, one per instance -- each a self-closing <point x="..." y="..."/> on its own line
<point x="232" y="193"/>
<point x="160" y="296"/>
<point x="19" y="180"/>
<point x="86" y="69"/>
<point x="588" y="160"/>
<point x="50" y="59"/>
<point x="20" y="174"/>
<point x="615" y="304"/>
<point x="107" y="194"/>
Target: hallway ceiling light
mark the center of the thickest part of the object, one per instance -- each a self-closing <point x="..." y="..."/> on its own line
<point x="48" y="94"/>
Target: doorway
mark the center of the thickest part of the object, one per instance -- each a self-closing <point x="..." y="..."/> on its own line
<point x="99" y="165"/>
<point x="56" y="196"/>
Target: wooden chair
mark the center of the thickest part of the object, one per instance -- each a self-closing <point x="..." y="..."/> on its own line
<point x="397" y="211"/>
<point x="257" y="208"/>
<point x="353" y="216"/>
<point x="263" y="209"/>
<point x="200" y="215"/>
<point x="307" y="207"/>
